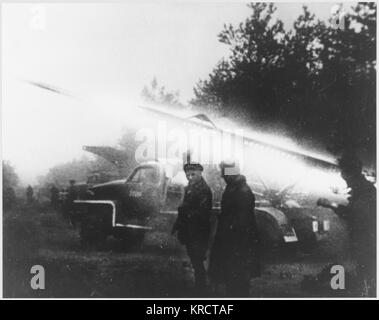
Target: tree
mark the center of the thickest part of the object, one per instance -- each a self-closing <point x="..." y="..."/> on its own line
<point x="159" y="95"/>
<point x="78" y="170"/>
<point x="348" y="58"/>
<point x="10" y="177"/>
<point x="10" y="182"/>
<point x="250" y="78"/>
<point x="317" y="80"/>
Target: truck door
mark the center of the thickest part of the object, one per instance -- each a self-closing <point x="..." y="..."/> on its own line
<point x="143" y="192"/>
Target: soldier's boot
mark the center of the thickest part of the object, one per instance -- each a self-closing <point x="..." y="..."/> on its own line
<point x="200" y="279"/>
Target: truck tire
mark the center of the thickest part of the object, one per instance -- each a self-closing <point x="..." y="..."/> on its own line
<point x="308" y="243"/>
<point x="92" y="231"/>
<point x="269" y="231"/>
<point x="130" y="239"/>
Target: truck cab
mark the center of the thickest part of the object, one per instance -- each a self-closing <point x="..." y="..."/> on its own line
<point x="127" y="208"/>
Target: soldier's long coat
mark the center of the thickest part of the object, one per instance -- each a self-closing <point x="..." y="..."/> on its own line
<point x="193" y="222"/>
<point x="360" y="215"/>
<point x="236" y="245"/>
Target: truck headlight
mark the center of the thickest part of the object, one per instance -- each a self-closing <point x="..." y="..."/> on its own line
<point x="315" y="226"/>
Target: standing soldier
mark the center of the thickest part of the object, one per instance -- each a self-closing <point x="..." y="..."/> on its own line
<point x="193" y="222"/>
<point x="360" y="215"/>
<point x="54" y="196"/>
<point x="234" y="257"/>
<point x="29" y="194"/>
<point x="9" y="197"/>
<point x="72" y="195"/>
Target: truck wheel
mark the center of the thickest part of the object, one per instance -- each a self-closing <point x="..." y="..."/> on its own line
<point x="308" y="244"/>
<point x="92" y="232"/>
<point x="134" y="239"/>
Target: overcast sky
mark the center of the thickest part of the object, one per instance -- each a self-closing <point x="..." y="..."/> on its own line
<point x="105" y="54"/>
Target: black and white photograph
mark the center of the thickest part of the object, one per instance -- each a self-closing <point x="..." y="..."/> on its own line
<point x="188" y="149"/>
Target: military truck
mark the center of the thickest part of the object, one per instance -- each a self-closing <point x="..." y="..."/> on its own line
<point x="148" y="199"/>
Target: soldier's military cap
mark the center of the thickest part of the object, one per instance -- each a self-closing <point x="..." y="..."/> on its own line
<point x="230" y="167"/>
<point x="193" y="166"/>
<point x="350" y="163"/>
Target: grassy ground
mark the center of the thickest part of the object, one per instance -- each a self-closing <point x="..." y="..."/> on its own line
<point x="37" y="234"/>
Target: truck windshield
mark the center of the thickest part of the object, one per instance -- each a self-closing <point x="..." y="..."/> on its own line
<point x="146" y="175"/>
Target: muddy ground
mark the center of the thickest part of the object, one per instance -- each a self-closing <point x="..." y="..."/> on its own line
<point x="37" y="234"/>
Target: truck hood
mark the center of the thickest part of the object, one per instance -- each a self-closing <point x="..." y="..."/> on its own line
<point x="110" y="184"/>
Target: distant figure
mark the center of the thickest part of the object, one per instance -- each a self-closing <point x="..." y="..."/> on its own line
<point x="63" y="196"/>
<point x="9" y="198"/>
<point x="39" y="195"/>
<point x="29" y="194"/>
<point x="72" y="193"/>
<point x="193" y="222"/>
<point x="234" y="256"/>
<point x="54" y="196"/>
<point x="360" y="215"/>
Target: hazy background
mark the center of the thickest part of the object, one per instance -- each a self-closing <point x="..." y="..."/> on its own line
<point x="104" y="53"/>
